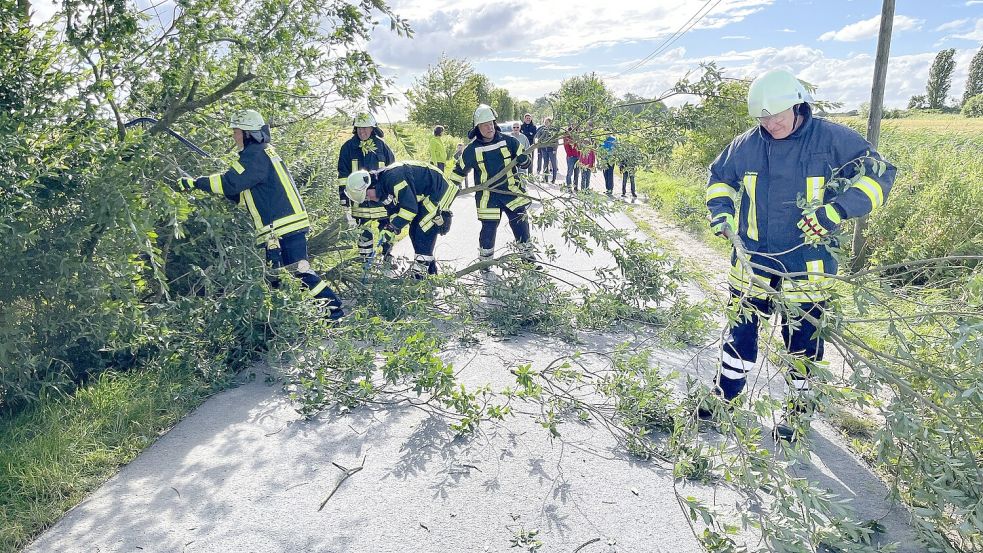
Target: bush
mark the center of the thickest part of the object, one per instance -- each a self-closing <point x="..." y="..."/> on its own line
<point x="973" y="107"/>
<point x="934" y="208"/>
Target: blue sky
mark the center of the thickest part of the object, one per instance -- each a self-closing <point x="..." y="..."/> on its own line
<point x="529" y="47"/>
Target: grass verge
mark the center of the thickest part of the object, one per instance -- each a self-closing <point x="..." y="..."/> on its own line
<point x="56" y="452"/>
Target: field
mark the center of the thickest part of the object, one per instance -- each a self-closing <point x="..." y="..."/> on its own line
<point x="952" y="124"/>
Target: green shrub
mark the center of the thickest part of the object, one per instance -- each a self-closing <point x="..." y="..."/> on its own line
<point x="973" y="107"/>
<point x="934" y="208"/>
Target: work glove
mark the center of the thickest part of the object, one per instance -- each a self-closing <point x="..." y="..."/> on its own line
<point x="185" y="184"/>
<point x="445" y="226"/>
<point x="722" y="225"/>
<point x="387" y="235"/>
<point x="817" y="225"/>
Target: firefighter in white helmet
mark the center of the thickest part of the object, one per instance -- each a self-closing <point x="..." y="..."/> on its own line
<point x="260" y="182"/>
<point x="364" y="150"/>
<point x="488" y="154"/>
<point x="786" y="161"/>
<point x="415" y="195"/>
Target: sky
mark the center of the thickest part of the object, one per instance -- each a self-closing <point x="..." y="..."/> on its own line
<point x="644" y="46"/>
<point x="529" y="47"/>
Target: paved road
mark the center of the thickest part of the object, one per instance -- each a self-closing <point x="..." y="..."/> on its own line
<point x="245" y="473"/>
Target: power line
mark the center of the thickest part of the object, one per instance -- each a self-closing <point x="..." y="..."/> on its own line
<point x="683" y="29"/>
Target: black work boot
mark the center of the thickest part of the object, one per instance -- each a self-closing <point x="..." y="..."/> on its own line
<point x="796" y="416"/>
<point x="707" y="409"/>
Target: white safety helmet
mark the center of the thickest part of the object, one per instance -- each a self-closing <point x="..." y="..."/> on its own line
<point x="774" y="92"/>
<point x="364" y="120"/>
<point x="484" y="114"/>
<point x="247" y="120"/>
<point x="358" y="183"/>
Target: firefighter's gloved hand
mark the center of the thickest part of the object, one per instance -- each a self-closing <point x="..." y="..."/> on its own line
<point x="816" y="226"/>
<point x="387" y="235"/>
<point x="445" y="225"/>
<point x="722" y="225"/>
<point x="185" y="184"/>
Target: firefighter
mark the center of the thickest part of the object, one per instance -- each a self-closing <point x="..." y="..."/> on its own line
<point x="488" y="153"/>
<point x="788" y="158"/>
<point x="260" y="182"/>
<point x="364" y="150"/>
<point x="414" y="194"/>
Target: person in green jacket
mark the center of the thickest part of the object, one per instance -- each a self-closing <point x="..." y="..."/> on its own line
<point x="438" y="153"/>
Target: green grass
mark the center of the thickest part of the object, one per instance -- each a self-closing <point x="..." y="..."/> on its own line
<point x="679" y="198"/>
<point x="56" y="452"/>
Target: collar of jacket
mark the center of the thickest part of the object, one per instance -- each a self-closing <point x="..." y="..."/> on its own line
<point x="805" y="113"/>
<point x="254" y="146"/>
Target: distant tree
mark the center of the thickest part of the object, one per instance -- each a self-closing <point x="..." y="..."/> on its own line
<point x="635" y="104"/>
<point x="503" y="104"/>
<point x="918" y="101"/>
<point x="864" y="110"/>
<point x="974" y="82"/>
<point x="482" y="88"/>
<point x="446" y="95"/>
<point x="542" y="107"/>
<point x="583" y="99"/>
<point x="523" y="107"/>
<point x="940" y="78"/>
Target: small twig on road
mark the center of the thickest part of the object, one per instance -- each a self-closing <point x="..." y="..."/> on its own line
<point x="348" y="472"/>
<point x="586" y="543"/>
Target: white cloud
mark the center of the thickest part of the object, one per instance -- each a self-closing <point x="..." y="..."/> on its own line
<point x="846" y="80"/>
<point x="735" y="37"/>
<point x="786" y="30"/>
<point x="868" y="28"/>
<point x="481" y="30"/>
<point x="975" y="34"/>
<point x="974" y="2"/>
<point x="558" y="67"/>
<point x="952" y="25"/>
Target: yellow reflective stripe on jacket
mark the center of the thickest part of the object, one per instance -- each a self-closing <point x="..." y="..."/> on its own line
<point x="740" y="280"/>
<point x="814" y="188"/>
<point x="399" y="186"/>
<point x="369" y="212"/>
<point x="448" y="198"/>
<point x="750" y="186"/>
<point x="288" y="186"/>
<point x="479" y="156"/>
<point x="238" y="168"/>
<point x="519" y="201"/>
<point x="872" y="189"/>
<point x="455" y="178"/>
<point x="721" y="190"/>
<point x="215" y="183"/>
<point x="509" y="173"/>
<point x="406" y="214"/>
<point x="247" y="197"/>
<point x="318" y="288"/>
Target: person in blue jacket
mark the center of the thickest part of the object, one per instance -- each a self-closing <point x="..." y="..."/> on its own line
<point x="414" y="194"/>
<point x="364" y="150"/>
<point x="260" y="182"/>
<point x="608" y="161"/>
<point x="795" y="179"/>
<point x="489" y="153"/>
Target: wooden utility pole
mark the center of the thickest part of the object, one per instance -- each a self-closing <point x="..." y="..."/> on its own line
<point x="874" y="121"/>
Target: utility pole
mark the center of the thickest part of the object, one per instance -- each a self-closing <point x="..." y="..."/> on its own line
<point x="860" y="252"/>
